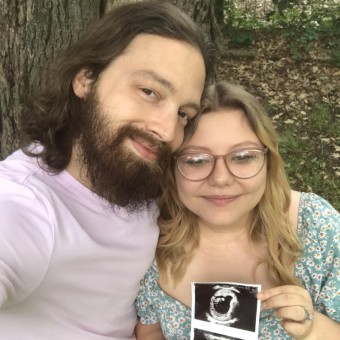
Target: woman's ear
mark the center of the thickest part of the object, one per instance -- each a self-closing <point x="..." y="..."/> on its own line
<point x="81" y="83"/>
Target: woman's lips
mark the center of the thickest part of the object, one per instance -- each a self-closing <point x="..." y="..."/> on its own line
<point x="145" y="149"/>
<point x="221" y="200"/>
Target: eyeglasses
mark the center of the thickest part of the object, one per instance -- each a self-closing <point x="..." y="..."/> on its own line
<point x="243" y="164"/>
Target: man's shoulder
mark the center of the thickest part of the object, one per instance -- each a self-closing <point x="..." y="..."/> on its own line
<point x="22" y="180"/>
<point x="16" y="169"/>
<point x="18" y="164"/>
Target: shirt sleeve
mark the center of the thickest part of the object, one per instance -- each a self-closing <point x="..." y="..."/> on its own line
<point x="146" y="301"/>
<point x="26" y="242"/>
<point x="321" y="238"/>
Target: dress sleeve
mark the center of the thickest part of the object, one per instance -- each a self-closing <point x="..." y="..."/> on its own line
<point x="320" y="233"/>
<point x="146" y="301"/>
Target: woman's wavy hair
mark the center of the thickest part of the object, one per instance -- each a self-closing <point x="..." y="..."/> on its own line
<point x="270" y="223"/>
<point x="51" y="115"/>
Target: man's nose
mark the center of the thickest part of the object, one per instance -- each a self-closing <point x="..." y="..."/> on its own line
<point x="163" y="125"/>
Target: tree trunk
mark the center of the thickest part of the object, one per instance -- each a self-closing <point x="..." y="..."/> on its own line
<point x="34" y="32"/>
<point x="203" y="13"/>
<point x="110" y="4"/>
<point x="219" y="12"/>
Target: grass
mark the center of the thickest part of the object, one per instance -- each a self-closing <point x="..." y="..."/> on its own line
<point x="308" y="147"/>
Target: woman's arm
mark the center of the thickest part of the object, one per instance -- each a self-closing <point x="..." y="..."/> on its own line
<point x="149" y="332"/>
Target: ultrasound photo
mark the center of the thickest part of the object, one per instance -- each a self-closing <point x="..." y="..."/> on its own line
<point x="224" y="309"/>
<point x="205" y="335"/>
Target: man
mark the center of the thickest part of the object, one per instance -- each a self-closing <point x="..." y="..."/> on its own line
<point x="78" y="220"/>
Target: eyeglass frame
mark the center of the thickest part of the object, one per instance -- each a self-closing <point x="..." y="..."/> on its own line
<point x="263" y="150"/>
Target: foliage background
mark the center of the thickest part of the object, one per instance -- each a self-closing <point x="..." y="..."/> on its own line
<point x="287" y="53"/>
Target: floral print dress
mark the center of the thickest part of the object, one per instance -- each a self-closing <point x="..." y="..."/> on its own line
<point x="318" y="269"/>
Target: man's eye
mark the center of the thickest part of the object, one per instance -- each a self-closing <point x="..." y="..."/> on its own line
<point x="184" y="116"/>
<point x="149" y="92"/>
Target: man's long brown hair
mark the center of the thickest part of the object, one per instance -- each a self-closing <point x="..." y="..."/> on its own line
<point x="51" y="115"/>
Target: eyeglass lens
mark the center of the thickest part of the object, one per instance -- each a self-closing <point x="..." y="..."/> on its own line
<point x="240" y="163"/>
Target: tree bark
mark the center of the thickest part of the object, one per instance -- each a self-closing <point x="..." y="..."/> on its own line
<point x="203" y="13"/>
<point x="219" y="12"/>
<point x="33" y="32"/>
<point x="110" y="4"/>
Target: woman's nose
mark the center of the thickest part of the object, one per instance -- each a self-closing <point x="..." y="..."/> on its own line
<point x="221" y="174"/>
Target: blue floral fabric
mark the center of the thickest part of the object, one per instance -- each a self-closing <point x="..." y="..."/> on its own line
<point x="318" y="268"/>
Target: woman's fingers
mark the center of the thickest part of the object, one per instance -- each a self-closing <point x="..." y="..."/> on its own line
<point x="293" y="306"/>
<point x="286" y="296"/>
<point x="296" y="330"/>
<point x="294" y="313"/>
<point x="282" y="290"/>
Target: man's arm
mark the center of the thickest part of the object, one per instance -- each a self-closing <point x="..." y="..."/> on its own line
<point x="26" y="242"/>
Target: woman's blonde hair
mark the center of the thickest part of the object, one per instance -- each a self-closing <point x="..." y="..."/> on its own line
<point x="270" y="223"/>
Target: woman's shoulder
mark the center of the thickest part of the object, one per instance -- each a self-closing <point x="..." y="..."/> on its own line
<point x="309" y="209"/>
<point x="311" y="203"/>
<point x="315" y="214"/>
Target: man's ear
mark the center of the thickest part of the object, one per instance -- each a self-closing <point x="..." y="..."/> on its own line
<point x="81" y="83"/>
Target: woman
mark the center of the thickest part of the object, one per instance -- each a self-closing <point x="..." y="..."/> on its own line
<point x="229" y="215"/>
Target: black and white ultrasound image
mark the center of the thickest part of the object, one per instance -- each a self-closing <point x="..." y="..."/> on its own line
<point x="233" y="306"/>
<point x="225" y="311"/>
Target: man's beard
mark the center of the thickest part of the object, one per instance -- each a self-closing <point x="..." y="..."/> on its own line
<point x="114" y="172"/>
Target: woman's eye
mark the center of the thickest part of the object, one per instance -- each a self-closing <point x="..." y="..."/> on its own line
<point x="197" y="160"/>
<point x="244" y="157"/>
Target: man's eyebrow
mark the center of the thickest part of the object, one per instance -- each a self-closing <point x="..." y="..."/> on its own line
<point x="164" y="82"/>
<point x="155" y="77"/>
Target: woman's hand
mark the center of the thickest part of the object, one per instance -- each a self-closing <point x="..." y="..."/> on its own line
<point x="293" y="305"/>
